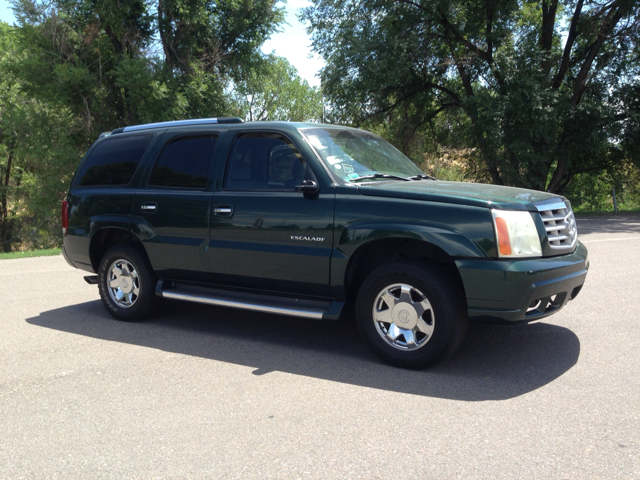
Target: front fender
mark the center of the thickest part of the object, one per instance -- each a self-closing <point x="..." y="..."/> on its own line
<point x="455" y="243"/>
<point x="358" y="235"/>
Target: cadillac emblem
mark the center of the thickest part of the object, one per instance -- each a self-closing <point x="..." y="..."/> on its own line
<point x="570" y="225"/>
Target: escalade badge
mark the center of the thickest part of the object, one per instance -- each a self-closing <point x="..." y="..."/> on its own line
<point x="307" y="239"/>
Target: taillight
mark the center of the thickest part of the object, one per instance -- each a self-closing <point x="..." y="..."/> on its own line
<point x="65" y="216"/>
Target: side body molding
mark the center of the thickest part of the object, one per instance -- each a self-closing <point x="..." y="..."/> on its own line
<point x="141" y="229"/>
<point x="454" y="243"/>
<point x="99" y="222"/>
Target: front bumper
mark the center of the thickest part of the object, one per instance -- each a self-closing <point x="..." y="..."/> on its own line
<point x="507" y="291"/>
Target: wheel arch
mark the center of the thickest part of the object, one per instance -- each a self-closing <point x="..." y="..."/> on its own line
<point x="383" y="251"/>
<point x="107" y="237"/>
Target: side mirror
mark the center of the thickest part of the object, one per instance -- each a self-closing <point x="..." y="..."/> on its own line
<point x="307" y="187"/>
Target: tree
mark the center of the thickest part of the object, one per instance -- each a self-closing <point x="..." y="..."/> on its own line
<point x="98" y="57"/>
<point x="37" y="156"/>
<point x="8" y="94"/>
<point x="218" y="35"/>
<point x="275" y="91"/>
<point x="534" y="87"/>
<point x="72" y="69"/>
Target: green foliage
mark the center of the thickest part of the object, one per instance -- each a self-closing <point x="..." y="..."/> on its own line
<point x="38" y="151"/>
<point x="72" y="69"/>
<point x="541" y="91"/>
<point x="275" y="91"/>
<point x="594" y="193"/>
<point x="217" y="36"/>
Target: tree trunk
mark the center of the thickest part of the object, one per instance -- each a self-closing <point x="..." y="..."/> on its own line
<point x="472" y="111"/>
<point x="546" y="36"/>
<point x="608" y="24"/>
<point x="5" y="225"/>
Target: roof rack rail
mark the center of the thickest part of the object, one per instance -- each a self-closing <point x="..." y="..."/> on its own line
<point x="178" y="123"/>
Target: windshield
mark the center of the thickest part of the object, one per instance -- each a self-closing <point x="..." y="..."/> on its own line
<point x="353" y="154"/>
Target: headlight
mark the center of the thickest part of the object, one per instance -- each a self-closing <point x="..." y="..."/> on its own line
<point x="516" y="233"/>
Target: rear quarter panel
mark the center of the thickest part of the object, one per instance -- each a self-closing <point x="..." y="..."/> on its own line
<point x="91" y="209"/>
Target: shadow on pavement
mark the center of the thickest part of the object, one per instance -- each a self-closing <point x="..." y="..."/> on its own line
<point x="614" y="223"/>
<point x="495" y="362"/>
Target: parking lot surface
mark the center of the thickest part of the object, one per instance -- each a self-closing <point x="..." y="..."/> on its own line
<point x="205" y="392"/>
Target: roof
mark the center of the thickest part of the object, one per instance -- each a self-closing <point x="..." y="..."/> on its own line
<point x="214" y="121"/>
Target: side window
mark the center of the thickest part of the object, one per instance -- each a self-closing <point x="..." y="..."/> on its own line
<point x="264" y="161"/>
<point x="113" y="161"/>
<point x="184" y="163"/>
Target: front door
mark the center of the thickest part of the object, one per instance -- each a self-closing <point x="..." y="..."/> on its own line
<point x="265" y="235"/>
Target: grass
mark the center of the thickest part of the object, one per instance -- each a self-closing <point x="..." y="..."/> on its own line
<point x="32" y="253"/>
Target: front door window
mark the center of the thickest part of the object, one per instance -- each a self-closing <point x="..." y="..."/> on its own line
<point x="264" y="161"/>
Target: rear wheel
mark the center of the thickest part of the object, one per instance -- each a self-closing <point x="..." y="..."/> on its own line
<point x="127" y="283"/>
<point x="411" y="314"/>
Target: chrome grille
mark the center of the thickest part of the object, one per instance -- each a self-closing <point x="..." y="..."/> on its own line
<point x="560" y="225"/>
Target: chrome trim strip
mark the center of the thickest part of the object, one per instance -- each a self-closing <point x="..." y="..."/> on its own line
<point x="304" y="313"/>
<point x="560" y="218"/>
<point x="561" y="247"/>
<point x="175" y="123"/>
<point x="558" y="238"/>
<point x="550" y="206"/>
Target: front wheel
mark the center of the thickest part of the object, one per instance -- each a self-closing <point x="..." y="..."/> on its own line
<point x="127" y="283"/>
<point x="411" y="314"/>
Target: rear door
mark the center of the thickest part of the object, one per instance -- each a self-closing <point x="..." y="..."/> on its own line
<point x="173" y="207"/>
<point x="103" y="191"/>
<point x="265" y="235"/>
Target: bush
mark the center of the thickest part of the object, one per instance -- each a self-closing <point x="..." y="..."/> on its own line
<point x="594" y="192"/>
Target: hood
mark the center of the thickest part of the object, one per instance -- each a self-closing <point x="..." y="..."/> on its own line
<point x="475" y="194"/>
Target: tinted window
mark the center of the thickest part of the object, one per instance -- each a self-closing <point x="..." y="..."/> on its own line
<point x="264" y="161"/>
<point x="113" y="161"/>
<point x="184" y="163"/>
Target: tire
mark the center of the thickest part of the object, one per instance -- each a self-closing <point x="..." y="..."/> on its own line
<point x="416" y="295"/>
<point x="129" y="295"/>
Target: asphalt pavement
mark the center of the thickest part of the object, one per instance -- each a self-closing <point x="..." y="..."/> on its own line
<point x="206" y="392"/>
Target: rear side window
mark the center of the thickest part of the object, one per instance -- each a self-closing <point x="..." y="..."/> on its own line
<point x="184" y="163"/>
<point x="113" y="161"/>
<point x="264" y="161"/>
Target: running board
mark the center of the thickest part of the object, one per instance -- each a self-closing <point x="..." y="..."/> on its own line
<point x="311" y="309"/>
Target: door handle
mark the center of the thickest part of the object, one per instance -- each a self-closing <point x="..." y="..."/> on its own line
<point x="149" y="207"/>
<point x="223" y="210"/>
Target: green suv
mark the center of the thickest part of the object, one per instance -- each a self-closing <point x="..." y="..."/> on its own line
<point x="300" y="219"/>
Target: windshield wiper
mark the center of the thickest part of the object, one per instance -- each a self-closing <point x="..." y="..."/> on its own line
<point x="380" y="175"/>
<point x="422" y="176"/>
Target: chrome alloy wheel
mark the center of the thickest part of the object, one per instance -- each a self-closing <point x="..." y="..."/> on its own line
<point x="123" y="283"/>
<point x="403" y="317"/>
